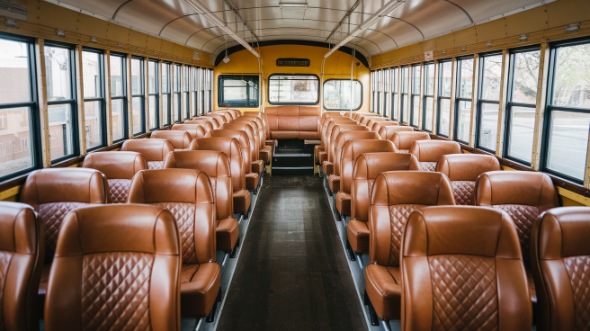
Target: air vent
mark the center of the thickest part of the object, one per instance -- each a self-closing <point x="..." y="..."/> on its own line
<point x="16" y="9"/>
<point x="292" y="62"/>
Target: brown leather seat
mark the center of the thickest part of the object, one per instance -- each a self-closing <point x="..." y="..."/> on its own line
<point x="560" y="255"/>
<point x="524" y="195"/>
<point x="254" y="139"/>
<point x="461" y="270"/>
<point x="196" y="130"/>
<point x="386" y="132"/>
<point x="22" y="248"/>
<point x="180" y="139"/>
<point x="224" y="117"/>
<point x="395" y="195"/>
<point x="375" y="121"/>
<point x="463" y="170"/>
<point x="321" y="152"/>
<point x="341" y="139"/>
<point x="328" y="164"/>
<point x="252" y="178"/>
<point x="367" y="167"/>
<point x="218" y="120"/>
<point x="205" y="122"/>
<point x="231" y="148"/>
<point x="216" y="165"/>
<point x="428" y="152"/>
<point x="53" y="192"/>
<point x="379" y="126"/>
<point x="404" y="140"/>
<point x="351" y="150"/>
<point x="119" y="169"/>
<point x="116" y="267"/>
<point x="264" y="151"/>
<point x="153" y="150"/>
<point x="187" y="194"/>
<point x="365" y="117"/>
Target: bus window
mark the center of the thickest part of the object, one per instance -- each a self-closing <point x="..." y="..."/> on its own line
<point x="293" y="89"/>
<point x="238" y="91"/>
<point x="568" y="111"/>
<point x="340" y="94"/>
<point x="488" y="104"/>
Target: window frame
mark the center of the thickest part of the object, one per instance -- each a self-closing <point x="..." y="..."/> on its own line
<point x="425" y="96"/>
<point x="459" y="98"/>
<point x="141" y="96"/>
<point x="481" y="101"/>
<point x="415" y="93"/>
<point x="101" y="99"/>
<point x="394" y="111"/>
<point x="34" y="119"/>
<point x="440" y="97"/>
<point x="166" y="94"/>
<point x="124" y="96"/>
<point x="294" y="103"/>
<point x="156" y="94"/>
<point x="221" y="102"/>
<point x="550" y="108"/>
<point x="72" y="102"/>
<point x="343" y="109"/>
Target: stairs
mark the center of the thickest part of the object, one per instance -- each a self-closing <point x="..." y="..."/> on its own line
<point x="293" y="157"/>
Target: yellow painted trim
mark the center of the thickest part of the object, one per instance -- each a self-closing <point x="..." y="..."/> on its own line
<point x="10" y="193"/>
<point x="575" y="197"/>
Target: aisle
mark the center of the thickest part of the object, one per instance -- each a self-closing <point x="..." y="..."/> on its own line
<point x="292" y="274"/>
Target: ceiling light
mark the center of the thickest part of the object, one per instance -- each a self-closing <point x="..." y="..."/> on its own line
<point x="572" y="27"/>
<point x="226" y="59"/>
<point x="523" y="37"/>
<point x="293" y="4"/>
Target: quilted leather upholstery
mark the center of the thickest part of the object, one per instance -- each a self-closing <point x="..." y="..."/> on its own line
<point x="187" y="194"/>
<point x="461" y="270"/>
<point x="395" y="195"/>
<point x="184" y="214"/>
<point x="21" y="258"/>
<point x="121" y="302"/>
<point x="428" y="152"/>
<point x="216" y="165"/>
<point x="463" y="192"/>
<point x="119" y="168"/>
<point x="464" y="292"/>
<point x="52" y="215"/>
<point x="124" y="260"/>
<point x="153" y="150"/>
<point x="119" y="190"/>
<point x="463" y="170"/>
<point x="560" y="256"/>
<point x="523" y="218"/>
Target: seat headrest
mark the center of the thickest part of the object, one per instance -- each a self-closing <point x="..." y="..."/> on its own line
<point x="564" y="232"/>
<point x="116" y="164"/>
<point x="412" y="187"/>
<point x="466" y="167"/>
<point x="529" y="188"/>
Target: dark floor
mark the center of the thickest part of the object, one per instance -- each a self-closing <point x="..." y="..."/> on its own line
<point x="292" y="273"/>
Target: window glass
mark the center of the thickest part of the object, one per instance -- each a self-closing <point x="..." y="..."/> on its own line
<point x="445" y="79"/>
<point x="521" y="105"/>
<point x="394" y="112"/>
<point x="489" y="101"/>
<point x="61" y="103"/>
<point x="465" y="81"/>
<point x="428" y="96"/>
<point x="94" y="101"/>
<point x="340" y="94"/>
<point x="167" y="114"/>
<point x="238" y="91"/>
<point x="415" y="95"/>
<point x="462" y="120"/>
<point x="293" y="89"/>
<point x="118" y="97"/>
<point x="153" y="92"/>
<point x="568" y="111"/>
<point x="405" y="109"/>
<point x="568" y="143"/>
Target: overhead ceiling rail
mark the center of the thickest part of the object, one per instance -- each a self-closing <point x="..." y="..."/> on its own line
<point x="220" y="24"/>
<point x="347" y="15"/>
<point x="387" y="8"/>
<point x="237" y="13"/>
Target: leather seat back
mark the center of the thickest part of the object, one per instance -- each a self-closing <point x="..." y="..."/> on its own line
<point x="179" y="139"/>
<point x="461" y="269"/>
<point x="463" y="170"/>
<point x="395" y="195"/>
<point x="342" y="138"/>
<point x="22" y="248"/>
<point x="404" y="140"/>
<point x="195" y="131"/>
<point x="386" y="132"/>
<point x="428" y="152"/>
<point x="366" y="169"/>
<point x="351" y="150"/>
<point x="364" y="118"/>
<point x="187" y="194"/>
<point x="153" y="150"/>
<point x="119" y="168"/>
<point x="336" y="130"/>
<point x="218" y="120"/>
<point x="216" y="165"/>
<point x="524" y="195"/>
<point x="560" y="255"/>
<point x="373" y="122"/>
<point x="231" y="148"/>
<point x="116" y="267"/>
<point x="380" y="125"/>
<point x="53" y="192"/>
<point x="242" y="137"/>
<point x="206" y="122"/>
<point x="257" y="125"/>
